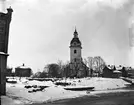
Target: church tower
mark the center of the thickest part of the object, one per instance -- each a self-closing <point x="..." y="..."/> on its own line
<point x="75" y="49"/>
<point x="77" y="68"/>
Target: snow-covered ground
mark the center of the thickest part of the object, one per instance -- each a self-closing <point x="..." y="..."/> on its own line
<point x="17" y="94"/>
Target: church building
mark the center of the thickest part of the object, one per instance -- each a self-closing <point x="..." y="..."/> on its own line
<point x="76" y="65"/>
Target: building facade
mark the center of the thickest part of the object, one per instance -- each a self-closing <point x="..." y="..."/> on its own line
<point x="23" y="71"/>
<point x="77" y="67"/>
<point x="9" y="71"/>
<point x="5" y="19"/>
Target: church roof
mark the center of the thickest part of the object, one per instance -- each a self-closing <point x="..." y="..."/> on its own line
<point x="75" y="39"/>
<point x="23" y="67"/>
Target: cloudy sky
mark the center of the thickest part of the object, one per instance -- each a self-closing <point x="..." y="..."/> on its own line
<point x="41" y="30"/>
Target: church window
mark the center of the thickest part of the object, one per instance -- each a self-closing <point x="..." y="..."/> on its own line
<point x="74" y="59"/>
<point x="75" y="51"/>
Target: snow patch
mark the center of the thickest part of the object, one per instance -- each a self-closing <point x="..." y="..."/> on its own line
<point x="54" y="92"/>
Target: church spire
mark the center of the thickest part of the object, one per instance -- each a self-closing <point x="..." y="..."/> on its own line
<point x="75" y="29"/>
<point x="75" y="33"/>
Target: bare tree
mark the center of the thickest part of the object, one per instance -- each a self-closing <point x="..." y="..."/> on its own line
<point x="61" y="67"/>
<point x="36" y="75"/>
<point x="99" y="64"/>
<point x="53" y="70"/>
<point x="95" y="64"/>
<point x="64" y="68"/>
<point x="90" y="61"/>
<point x="85" y="61"/>
<point x="66" y="71"/>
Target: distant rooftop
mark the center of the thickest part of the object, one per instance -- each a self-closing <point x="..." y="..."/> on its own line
<point x="23" y="66"/>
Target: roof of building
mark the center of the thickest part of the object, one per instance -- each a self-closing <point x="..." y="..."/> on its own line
<point x="23" y="67"/>
<point x="115" y="67"/>
<point x="117" y="71"/>
<point x="76" y="39"/>
<point x="107" y="68"/>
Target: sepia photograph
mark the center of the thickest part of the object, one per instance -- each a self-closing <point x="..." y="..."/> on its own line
<point x="67" y="52"/>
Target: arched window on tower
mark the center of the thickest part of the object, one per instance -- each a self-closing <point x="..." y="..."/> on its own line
<point x="75" y="51"/>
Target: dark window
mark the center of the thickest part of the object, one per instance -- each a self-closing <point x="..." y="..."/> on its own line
<point x="74" y="59"/>
<point x="75" y="51"/>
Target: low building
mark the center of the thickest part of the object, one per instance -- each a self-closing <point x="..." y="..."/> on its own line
<point x="9" y="71"/>
<point x="23" y="71"/>
<point x="116" y="74"/>
<point x="130" y="72"/>
<point x="107" y="72"/>
<point x="124" y="72"/>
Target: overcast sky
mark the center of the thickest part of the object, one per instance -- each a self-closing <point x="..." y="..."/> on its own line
<point x="41" y="30"/>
